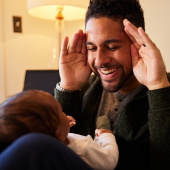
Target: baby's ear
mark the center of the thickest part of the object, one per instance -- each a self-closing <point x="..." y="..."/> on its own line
<point x="59" y="135"/>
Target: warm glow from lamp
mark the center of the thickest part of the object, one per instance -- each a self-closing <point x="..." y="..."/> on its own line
<point x="46" y="9"/>
<point x="49" y="9"/>
<point x="49" y="12"/>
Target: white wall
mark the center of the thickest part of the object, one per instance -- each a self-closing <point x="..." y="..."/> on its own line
<point x="2" y="70"/>
<point x="157" y="19"/>
<point x="31" y="48"/>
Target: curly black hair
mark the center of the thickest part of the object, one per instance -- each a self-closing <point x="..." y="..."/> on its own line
<point x="118" y="10"/>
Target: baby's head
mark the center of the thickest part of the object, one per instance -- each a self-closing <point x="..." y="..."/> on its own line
<point x="31" y="111"/>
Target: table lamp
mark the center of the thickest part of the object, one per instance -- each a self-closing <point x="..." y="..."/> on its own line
<point x="57" y="10"/>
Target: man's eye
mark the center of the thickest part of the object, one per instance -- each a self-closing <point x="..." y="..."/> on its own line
<point x="113" y="48"/>
<point x="91" y="48"/>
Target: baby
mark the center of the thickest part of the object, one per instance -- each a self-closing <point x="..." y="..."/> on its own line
<point x="38" y="111"/>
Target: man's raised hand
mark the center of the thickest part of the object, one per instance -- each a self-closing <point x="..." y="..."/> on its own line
<point x="73" y="66"/>
<point x="148" y="65"/>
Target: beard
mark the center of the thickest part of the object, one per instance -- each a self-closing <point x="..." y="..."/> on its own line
<point x="107" y="85"/>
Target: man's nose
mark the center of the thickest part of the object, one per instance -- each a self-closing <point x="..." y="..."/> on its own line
<point x="102" y="57"/>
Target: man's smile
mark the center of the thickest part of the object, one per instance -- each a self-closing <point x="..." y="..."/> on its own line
<point x="108" y="71"/>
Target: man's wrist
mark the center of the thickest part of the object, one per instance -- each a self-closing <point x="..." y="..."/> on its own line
<point x="159" y="86"/>
<point x="61" y="89"/>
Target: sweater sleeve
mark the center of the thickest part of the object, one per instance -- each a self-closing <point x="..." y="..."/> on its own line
<point x="68" y="102"/>
<point x="159" y="127"/>
<point x="99" y="155"/>
<point x="72" y="104"/>
<point x="109" y="148"/>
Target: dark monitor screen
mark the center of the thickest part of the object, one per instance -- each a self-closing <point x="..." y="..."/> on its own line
<point x="42" y="80"/>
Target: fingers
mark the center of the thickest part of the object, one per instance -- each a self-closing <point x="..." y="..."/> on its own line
<point x="64" y="47"/>
<point x="146" y="40"/>
<point x="129" y="28"/>
<point x="73" y="43"/>
<point x="137" y="35"/>
<point x="98" y="132"/>
<point x="72" y="124"/>
<point x="72" y="121"/>
<point x="77" y="43"/>
<point x="84" y="47"/>
<point x="135" y="55"/>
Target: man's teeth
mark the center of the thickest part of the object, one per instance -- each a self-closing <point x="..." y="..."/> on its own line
<point x="108" y="71"/>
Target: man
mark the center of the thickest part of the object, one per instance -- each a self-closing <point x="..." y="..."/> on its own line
<point x="130" y="84"/>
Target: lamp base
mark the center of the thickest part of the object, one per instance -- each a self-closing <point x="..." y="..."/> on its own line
<point x="56" y="45"/>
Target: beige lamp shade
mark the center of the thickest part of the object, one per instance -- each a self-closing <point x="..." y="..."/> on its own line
<point x="47" y="9"/>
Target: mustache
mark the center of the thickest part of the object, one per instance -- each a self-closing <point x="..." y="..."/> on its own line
<point x="108" y="66"/>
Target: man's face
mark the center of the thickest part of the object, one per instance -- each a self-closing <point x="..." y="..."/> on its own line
<point x="109" y="52"/>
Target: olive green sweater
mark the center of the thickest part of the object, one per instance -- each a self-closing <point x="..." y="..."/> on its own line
<point x="143" y="125"/>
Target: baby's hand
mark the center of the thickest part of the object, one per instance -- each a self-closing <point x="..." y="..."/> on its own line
<point x="98" y="132"/>
<point x="72" y="121"/>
